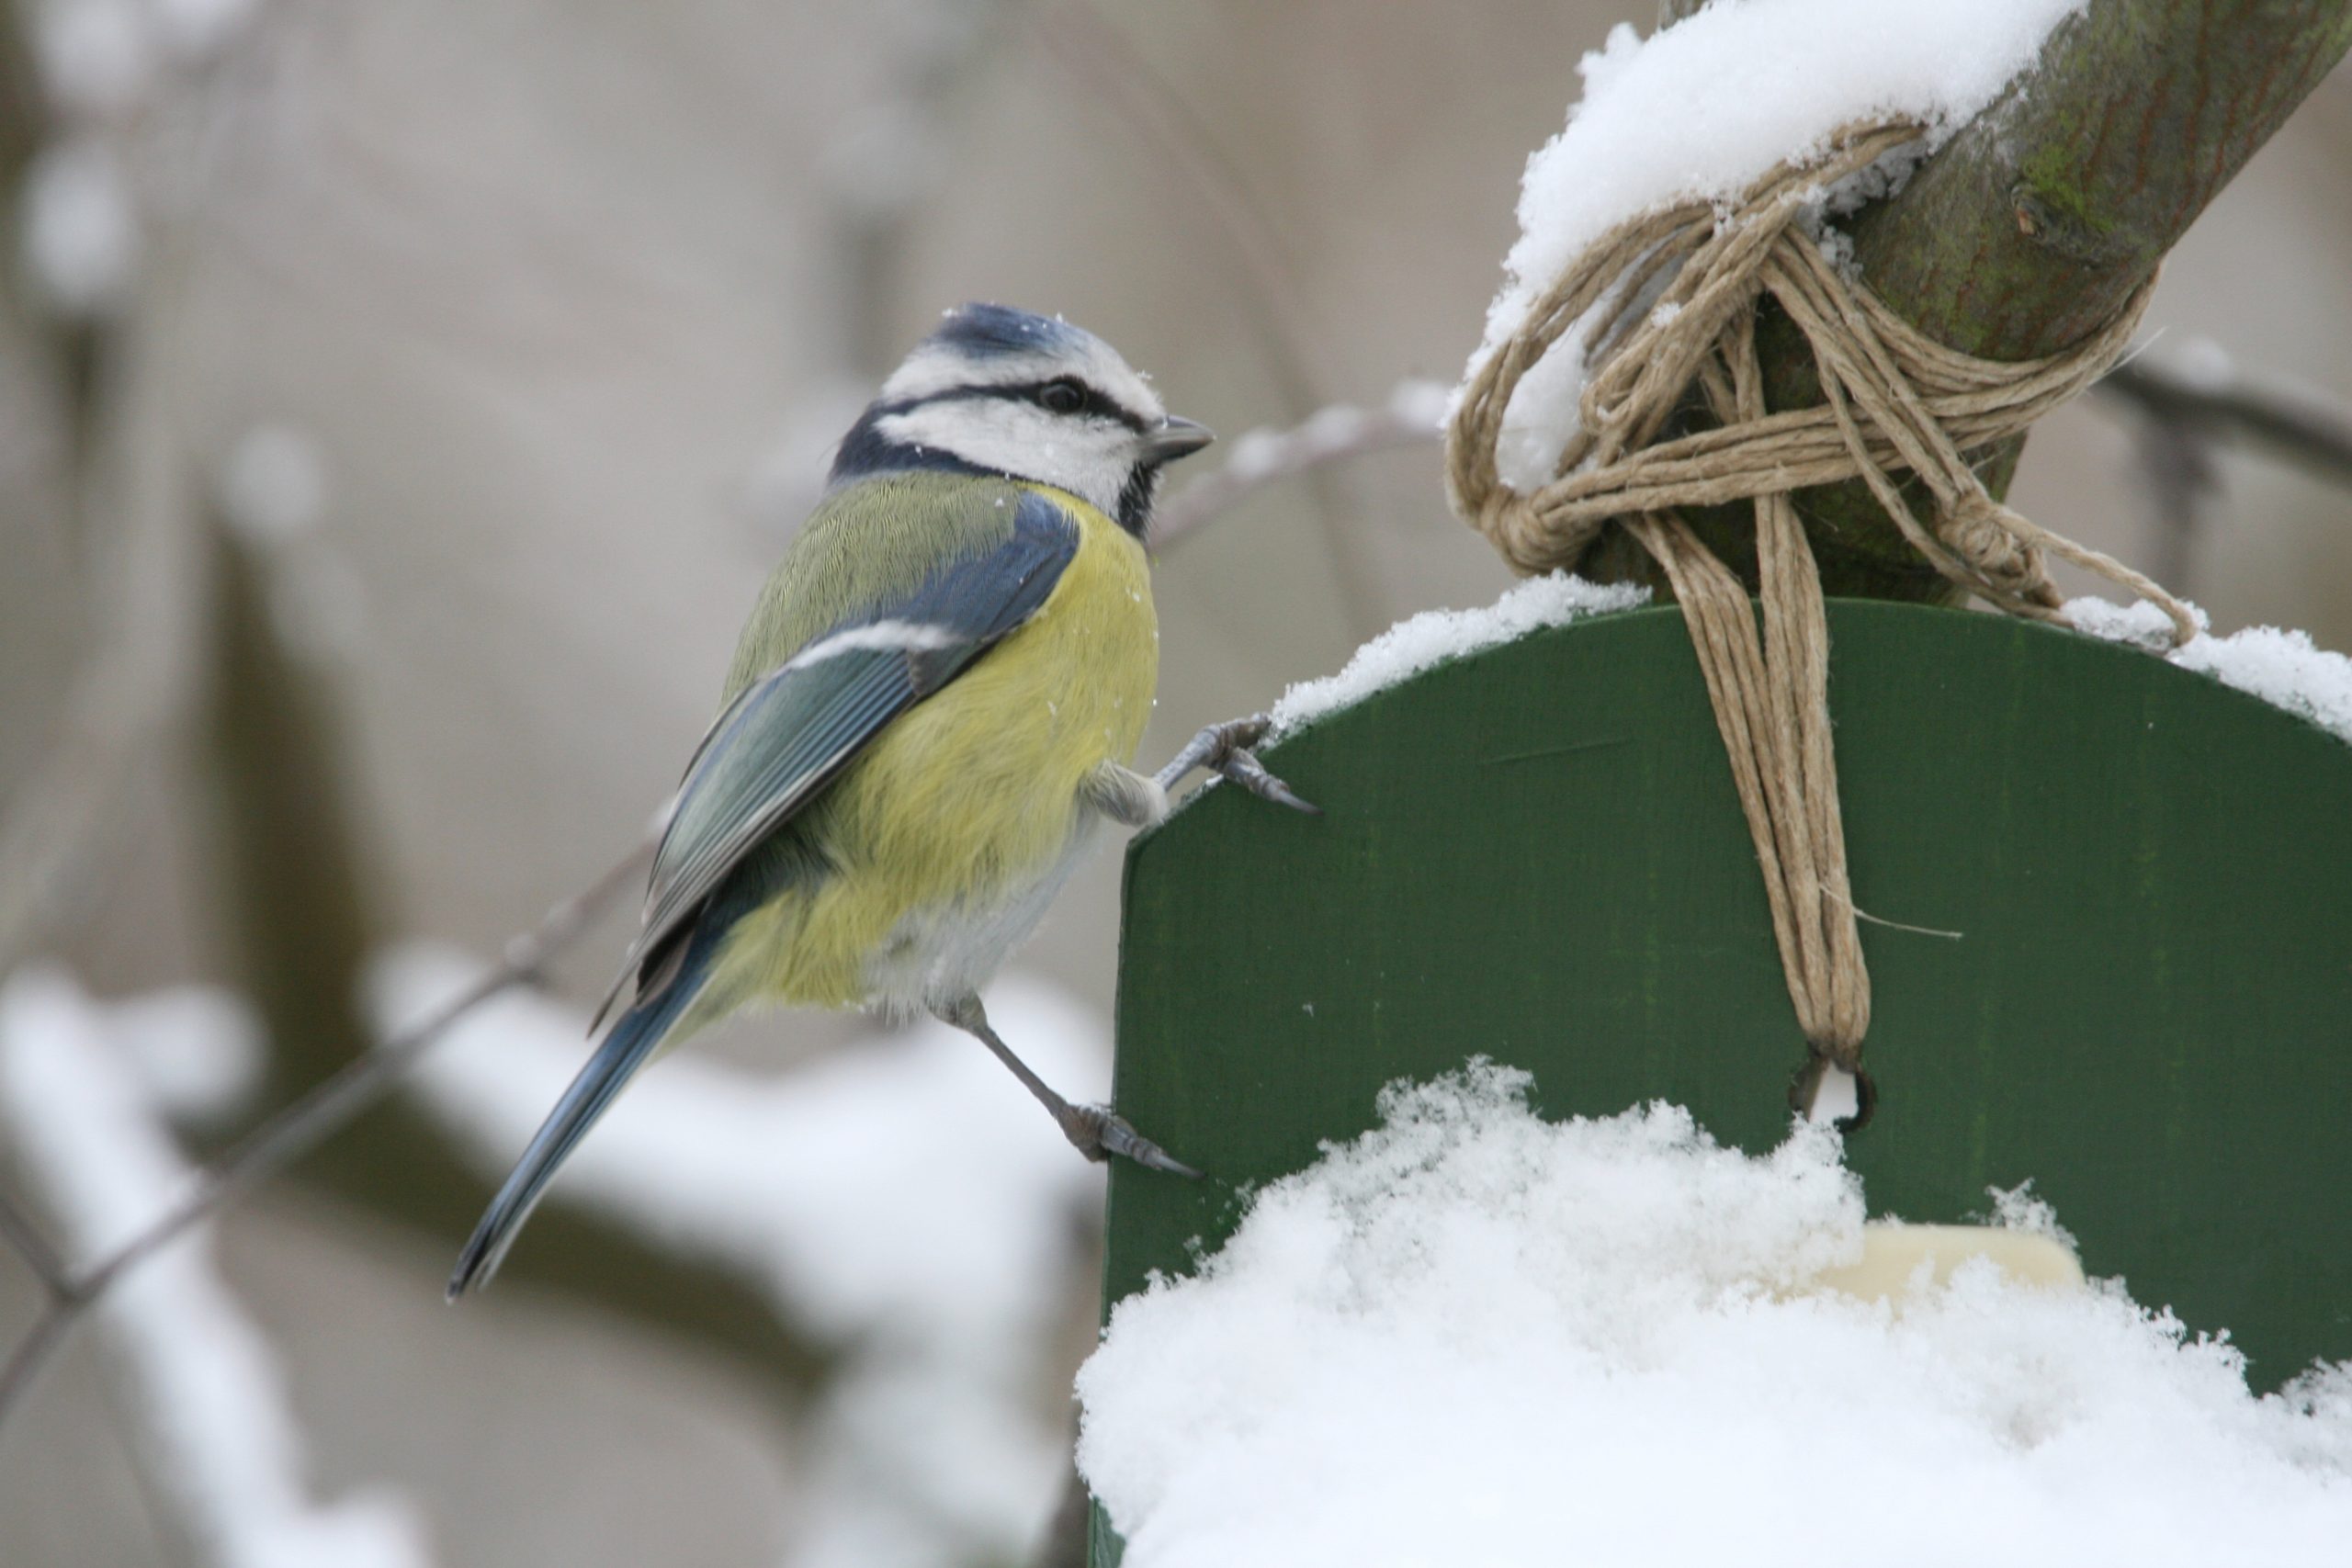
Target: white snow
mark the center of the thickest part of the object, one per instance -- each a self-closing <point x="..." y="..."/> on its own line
<point x="97" y="57"/>
<point x="274" y="485"/>
<point x="1474" y="1338"/>
<point x="197" y="1051"/>
<point x="81" y="235"/>
<point x="1420" y="402"/>
<point x="194" y="29"/>
<point x="1433" y="636"/>
<point x="213" y="1421"/>
<point x="2281" y="667"/>
<point x="1700" y="111"/>
<point x="904" y="1201"/>
<point x="1257" y="455"/>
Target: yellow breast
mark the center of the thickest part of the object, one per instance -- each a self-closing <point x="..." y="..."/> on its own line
<point x="968" y="801"/>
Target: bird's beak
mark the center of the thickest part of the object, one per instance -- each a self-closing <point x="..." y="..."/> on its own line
<point x="1175" y="438"/>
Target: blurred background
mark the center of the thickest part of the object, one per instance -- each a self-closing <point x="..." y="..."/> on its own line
<point x="400" y="407"/>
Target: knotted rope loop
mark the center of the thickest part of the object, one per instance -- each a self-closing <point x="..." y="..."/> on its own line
<point x="1667" y="303"/>
<point x="1652" y="305"/>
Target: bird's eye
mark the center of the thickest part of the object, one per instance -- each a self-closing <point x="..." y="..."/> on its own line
<point x="1062" y="397"/>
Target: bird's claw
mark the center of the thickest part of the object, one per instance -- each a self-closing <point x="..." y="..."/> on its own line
<point x="1242" y="769"/>
<point x="1225" y="750"/>
<point x="1098" y="1132"/>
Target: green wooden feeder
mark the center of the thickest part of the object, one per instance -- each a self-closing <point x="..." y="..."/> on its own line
<point x="2110" y="900"/>
<point x="1535" y="853"/>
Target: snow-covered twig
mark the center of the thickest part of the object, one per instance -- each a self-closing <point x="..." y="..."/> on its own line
<point x="936" y="1302"/>
<point x="214" y="1433"/>
<point x="304" y="1126"/>
<point x="1411" y="417"/>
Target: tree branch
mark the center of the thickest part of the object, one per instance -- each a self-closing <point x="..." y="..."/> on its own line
<point x="25" y="1239"/>
<point x="301" y="1127"/>
<point x="1412" y="416"/>
<point x="1099" y="58"/>
<point x="2299" y="427"/>
<point x="2037" y="221"/>
<point x="2181" y="420"/>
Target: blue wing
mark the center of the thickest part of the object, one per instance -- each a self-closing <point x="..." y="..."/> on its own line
<point x="785" y="736"/>
<point x="792" y="731"/>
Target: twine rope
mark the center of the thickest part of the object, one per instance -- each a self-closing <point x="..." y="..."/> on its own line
<point x="1667" y="304"/>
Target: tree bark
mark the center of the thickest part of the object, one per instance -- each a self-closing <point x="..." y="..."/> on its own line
<point x="300" y="900"/>
<point x="2036" y="222"/>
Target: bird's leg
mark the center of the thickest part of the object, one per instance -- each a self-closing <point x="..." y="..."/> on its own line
<point x="1125" y="796"/>
<point x="1095" y="1131"/>
<point x="1224" y="750"/>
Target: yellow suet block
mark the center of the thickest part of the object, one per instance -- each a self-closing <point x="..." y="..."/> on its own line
<point x="1898" y="1259"/>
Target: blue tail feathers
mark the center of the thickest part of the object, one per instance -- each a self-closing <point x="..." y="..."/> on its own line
<point x="629" y="1046"/>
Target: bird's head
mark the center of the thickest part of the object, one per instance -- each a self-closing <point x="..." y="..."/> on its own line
<point x="997" y="391"/>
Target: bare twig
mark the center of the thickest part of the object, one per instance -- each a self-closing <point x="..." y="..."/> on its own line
<point x="2182" y="416"/>
<point x="33" y="1351"/>
<point x="303" y="1125"/>
<point x="24" y="1237"/>
<point x="1410" y="418"/>
<point x="138" y="677"/>
<point x="2178" y="472"/>
<point x="1098" y="57"/>
<point x="2295" y="425"/>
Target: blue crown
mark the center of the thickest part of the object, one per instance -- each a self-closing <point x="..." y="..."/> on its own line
<point x="982" y="331"/>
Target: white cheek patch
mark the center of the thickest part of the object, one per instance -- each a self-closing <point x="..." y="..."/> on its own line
<point x="1089" y="459"/>
<point x="903" y="637"/>
<point x="935" y="368"/>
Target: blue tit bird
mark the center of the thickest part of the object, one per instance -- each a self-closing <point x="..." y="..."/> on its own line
<point x="930" y="716"/>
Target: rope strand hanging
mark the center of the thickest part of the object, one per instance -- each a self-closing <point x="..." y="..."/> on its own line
<point x="1669" y="299"/>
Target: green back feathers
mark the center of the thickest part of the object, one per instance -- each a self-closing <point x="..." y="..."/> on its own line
<point x="871" y="542"/>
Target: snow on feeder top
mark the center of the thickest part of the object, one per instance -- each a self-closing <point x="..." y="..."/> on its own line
<point x="2090" y="905"/>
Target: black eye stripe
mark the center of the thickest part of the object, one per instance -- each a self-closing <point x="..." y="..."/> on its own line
<point x="1094" y="402"/>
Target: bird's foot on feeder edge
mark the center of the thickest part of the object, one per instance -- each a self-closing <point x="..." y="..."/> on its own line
<point x="1098" y="1132"/>
<point x="1095" y="1131"/>
<point x="1225" y="750"/>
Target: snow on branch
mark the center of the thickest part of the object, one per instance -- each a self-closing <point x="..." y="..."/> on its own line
<point x="1700" y="111"/>
<point x="899" y="1201"/>
<point x="1436" y="636"/>
<point x="284" y="1138"/>
<point x="214" y="1429"/>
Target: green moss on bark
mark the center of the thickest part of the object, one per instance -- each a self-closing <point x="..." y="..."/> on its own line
<point x="2040" y="218"/>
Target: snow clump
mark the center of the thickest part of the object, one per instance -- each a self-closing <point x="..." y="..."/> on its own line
<point x="1700" y="111"/>
<point x="1472" y="1336"/>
